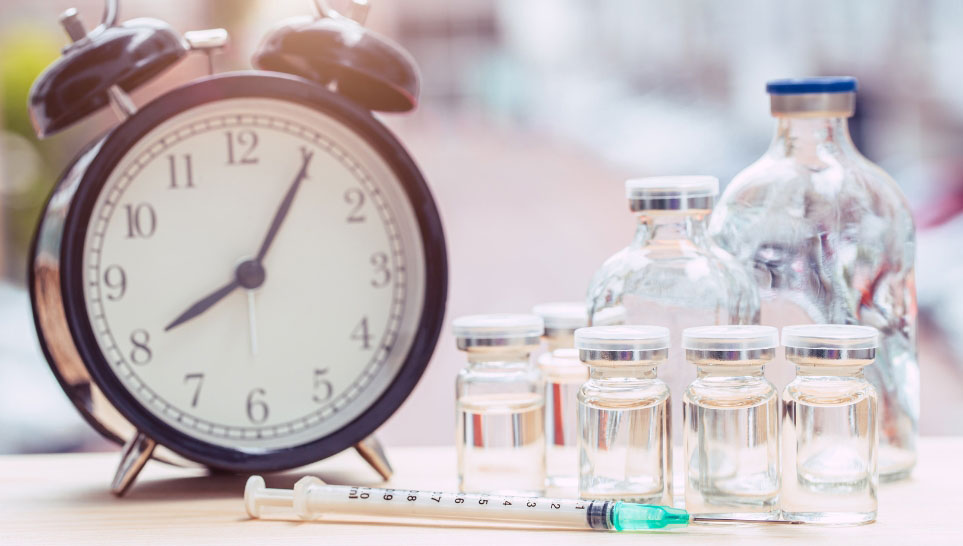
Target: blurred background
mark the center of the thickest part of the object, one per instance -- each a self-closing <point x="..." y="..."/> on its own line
<point x="532" y="115"/>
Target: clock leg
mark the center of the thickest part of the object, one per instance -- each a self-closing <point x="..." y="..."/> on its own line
<point x="373" y="453"/>
<point x="134" y="456"/>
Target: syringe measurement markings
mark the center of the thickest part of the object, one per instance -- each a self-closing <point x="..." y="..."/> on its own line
<point x="388" y="495"/>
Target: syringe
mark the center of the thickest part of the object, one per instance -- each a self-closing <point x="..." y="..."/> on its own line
<point x="312" y="498"/>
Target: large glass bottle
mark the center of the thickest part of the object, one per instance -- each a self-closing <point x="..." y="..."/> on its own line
<point x="671" y="274"/>
<point x="830" y="239"/>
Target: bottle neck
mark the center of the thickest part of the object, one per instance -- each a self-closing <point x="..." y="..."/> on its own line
<point x="656" y="226"/>
<point x="808" y="371"/>
<point x="729" y="371"/>
<point x="498" y="360"/>
<point x="605" y="373"/>
<point x="808" y="138"/>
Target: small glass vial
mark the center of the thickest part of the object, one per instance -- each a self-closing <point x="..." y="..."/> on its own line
<point x="500" y="434"/>
<point x="564" y="374"/>
<point x="731" y="423"/>
<point x="830" y="429"/>
<point x="624" y="424"/>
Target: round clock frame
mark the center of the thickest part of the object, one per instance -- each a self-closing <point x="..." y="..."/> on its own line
<point x="57" y="291"/>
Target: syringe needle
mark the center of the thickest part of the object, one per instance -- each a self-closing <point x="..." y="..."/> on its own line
<point x="735" y="520"/>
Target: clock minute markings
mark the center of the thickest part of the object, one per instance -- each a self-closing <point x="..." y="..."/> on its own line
<point x="250" y="274"/>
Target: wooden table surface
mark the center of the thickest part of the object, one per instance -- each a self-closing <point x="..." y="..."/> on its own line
<point x="64" y="499"/>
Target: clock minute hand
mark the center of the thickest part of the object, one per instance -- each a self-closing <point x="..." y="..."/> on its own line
<point x="285" y="205"/>
<point x="204" y="304"/>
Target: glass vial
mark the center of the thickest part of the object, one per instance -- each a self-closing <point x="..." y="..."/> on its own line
<point x="671" y="274"/>
<point x="830" y="425"/>
<point x="731" y="423"/>
<point x="500" y="434"/>
<point x="564" y="375"/>
<point x="830" y="239"/>
<point x="624" y="424"/>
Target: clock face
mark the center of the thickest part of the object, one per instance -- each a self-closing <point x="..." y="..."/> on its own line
<point x="253" y="273"/>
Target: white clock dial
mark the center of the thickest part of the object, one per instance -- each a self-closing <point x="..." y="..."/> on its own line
<point x="230" y="358"/>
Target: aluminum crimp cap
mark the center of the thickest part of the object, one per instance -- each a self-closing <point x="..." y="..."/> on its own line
<point x="622" y="345"/>
<point x="813" y="97"/>
<point x="730" y="345"/>
<point x="848" y="344"/>
<point x="695" y="192"/>
<point x="504" y="330"/>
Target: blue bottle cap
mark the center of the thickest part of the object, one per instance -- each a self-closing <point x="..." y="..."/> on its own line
<point x="798" y="86"/>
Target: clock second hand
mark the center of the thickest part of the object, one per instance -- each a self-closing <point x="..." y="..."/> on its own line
<point x="250" y="274"/>
<point x="252" y="321"/>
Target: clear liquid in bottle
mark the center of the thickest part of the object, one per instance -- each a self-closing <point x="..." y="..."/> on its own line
<point x="501" y="443"/>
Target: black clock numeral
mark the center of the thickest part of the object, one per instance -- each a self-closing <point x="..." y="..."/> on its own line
<point x="141" y="353"/>
<point x="199" y="378"/>
<point x="382" y="274"/>
<point x="355" y="197"/>
<point x="323" y="385"/>
<point x="141" y="221"/>
<point x="257" y="410"/>
<point x="246" y="138"/>
<point x="360" y="333"/>
<point x="188" y="181"/>
<point x="116" y="280"/>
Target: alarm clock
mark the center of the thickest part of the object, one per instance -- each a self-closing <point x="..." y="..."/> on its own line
<point x="249" y="271"/>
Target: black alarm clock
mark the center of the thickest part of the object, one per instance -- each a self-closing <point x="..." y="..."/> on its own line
<point x="247" y="272"/>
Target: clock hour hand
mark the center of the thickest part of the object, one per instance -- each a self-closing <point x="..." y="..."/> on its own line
<point x="250" y="274"/>
<point x="285" y="205"/>
<point x="204" y="304"/>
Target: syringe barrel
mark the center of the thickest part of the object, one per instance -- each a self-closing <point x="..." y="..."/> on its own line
<point x="403" y="503"/>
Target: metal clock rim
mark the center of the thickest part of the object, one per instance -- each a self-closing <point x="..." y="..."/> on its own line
<point x="360" y="121"/>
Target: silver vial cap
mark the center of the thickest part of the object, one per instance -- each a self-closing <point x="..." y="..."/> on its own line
<point x="562" y="318"/>
<point x="730" y="345"/>
<point x="502" y="330"/>
<point x="622" y="345"/>
<point x="672" y="193"/>
<point x="847" y="344"/>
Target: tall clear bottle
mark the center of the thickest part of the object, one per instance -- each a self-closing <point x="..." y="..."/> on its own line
<point x="830" y="239"/>
<point x="671" y="274"/>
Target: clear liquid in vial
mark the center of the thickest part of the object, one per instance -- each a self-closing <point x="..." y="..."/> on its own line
<point x="625" y="451"/>
<point x="732" y="454"/>
<point x="501" y="443"/>
<point x="561" y="452"/>
<point x="830" y="472"/>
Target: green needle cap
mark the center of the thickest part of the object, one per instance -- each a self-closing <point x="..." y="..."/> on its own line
<point x="635" y="517"/>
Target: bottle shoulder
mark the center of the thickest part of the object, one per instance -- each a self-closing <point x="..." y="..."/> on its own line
<point x="730" y="392"/>
<point x="521" y="374"/>
<point x="845" y="181"/>
<point x="829" y="391"/>
<point x="623" y="394"/>
<point x="776" y="208"/>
